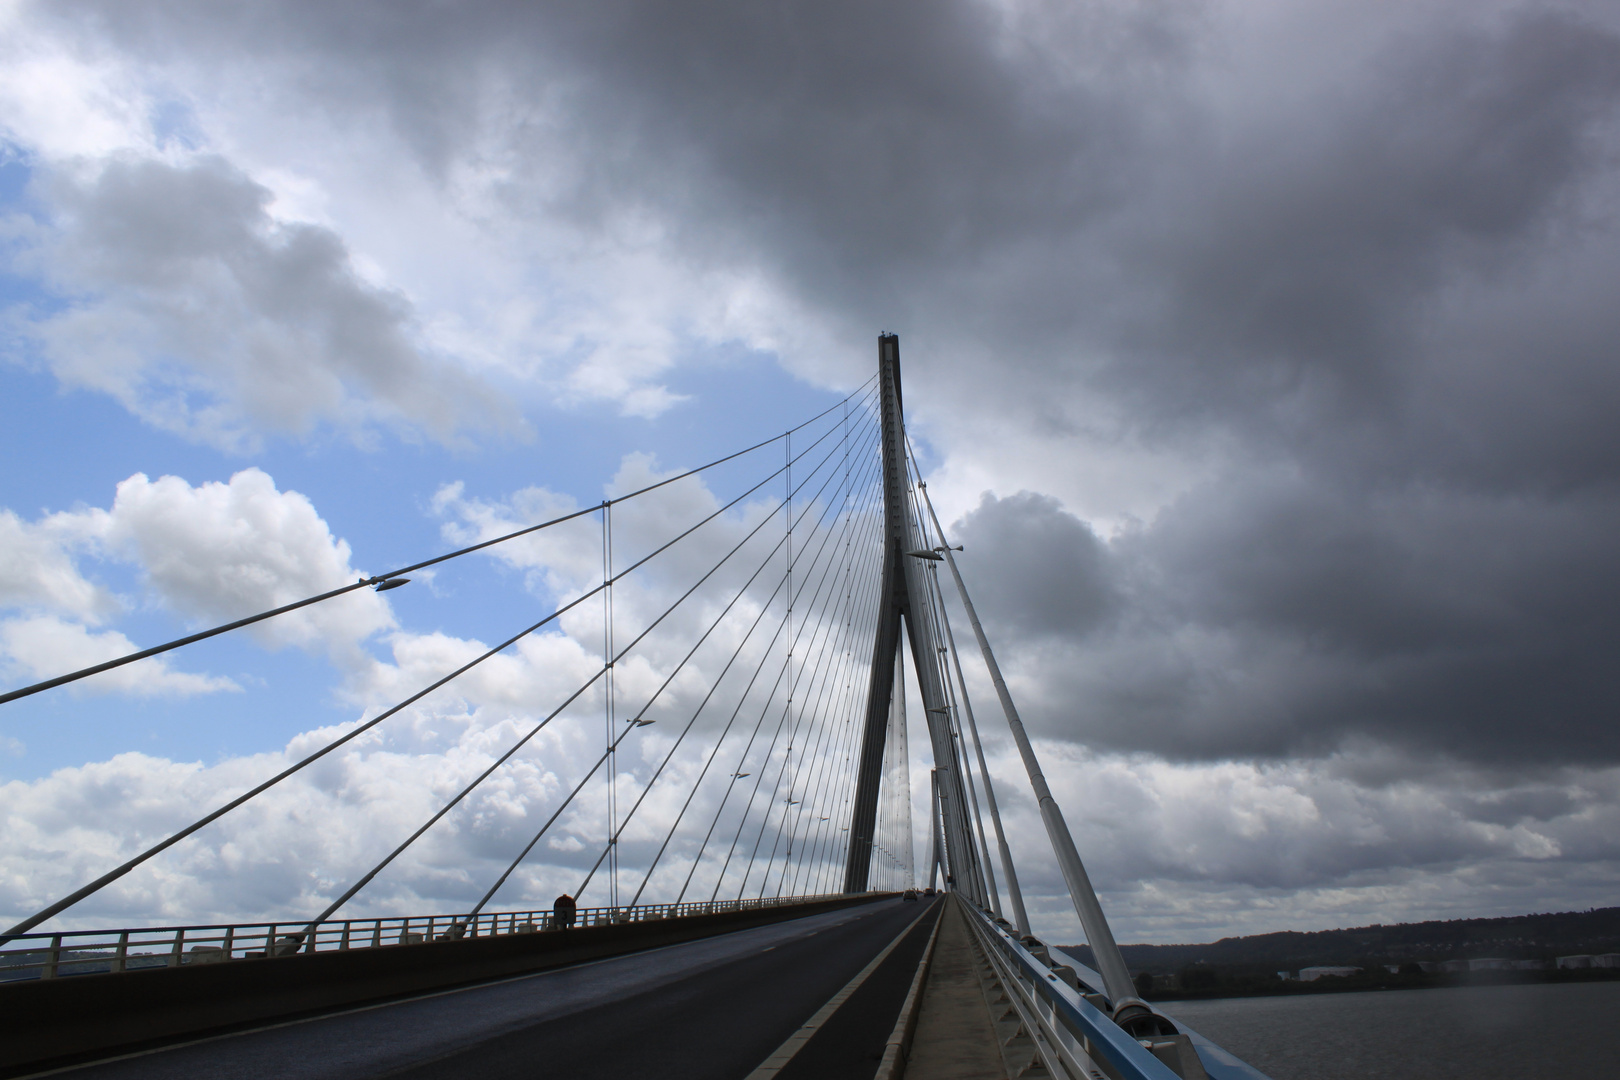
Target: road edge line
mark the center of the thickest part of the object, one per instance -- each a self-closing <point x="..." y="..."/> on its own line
<point x="795" y="1042"/>
<point x="221" y="1036"/>
<point x="893" y="1065"/>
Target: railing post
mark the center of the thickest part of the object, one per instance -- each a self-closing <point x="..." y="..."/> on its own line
<point x="179" y="943"/>
<point x="230" y="943"/>
<point x="53" y="956"/>
<point x="121" y="957"/>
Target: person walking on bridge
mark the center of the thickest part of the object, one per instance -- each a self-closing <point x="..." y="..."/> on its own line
<point x="562" y="912"/>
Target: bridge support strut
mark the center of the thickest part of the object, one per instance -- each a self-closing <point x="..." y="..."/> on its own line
<point x="903" y="602"/>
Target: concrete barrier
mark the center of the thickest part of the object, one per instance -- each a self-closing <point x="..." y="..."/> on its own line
<point x="53" y="1022"/>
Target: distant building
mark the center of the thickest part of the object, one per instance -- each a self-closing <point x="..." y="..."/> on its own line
<point x="1572" y="963"/>
<point x="1490" y="963"/>
<point x="1285" y="976"/>
<point x="1607" y="960"/>
<point x="1529" y="965"/>
<point x="1429" y="967"/>
<point x="1311" y="974"/>
<point x="1451" y="967"/>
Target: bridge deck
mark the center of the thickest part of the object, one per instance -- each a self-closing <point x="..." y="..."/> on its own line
<point x="714" y="1008"/>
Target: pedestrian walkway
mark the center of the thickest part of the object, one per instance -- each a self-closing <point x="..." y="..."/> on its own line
<point x="956" y="1039"/>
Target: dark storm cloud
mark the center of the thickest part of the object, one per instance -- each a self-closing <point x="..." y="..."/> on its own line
<point x="267" y="324"/>
<point x="1056" y="577"/>
<point x="1280" y="620"/>
<point x="1057" y="164"/>
<point x="1373" y="256"/>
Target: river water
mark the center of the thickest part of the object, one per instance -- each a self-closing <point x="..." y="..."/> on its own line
<point x="1477" y="1032"/>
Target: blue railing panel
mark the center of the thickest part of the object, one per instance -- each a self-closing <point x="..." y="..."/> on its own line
<point x="1220" y="1063"/>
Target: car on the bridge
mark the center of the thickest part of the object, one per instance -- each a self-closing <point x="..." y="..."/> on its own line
<point x="909" y="894"/>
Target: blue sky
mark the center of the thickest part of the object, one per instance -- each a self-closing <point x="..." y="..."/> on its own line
<point x="73" y="446"/>
<point x="1266" y="376"/>
<point x="379" y="499"/>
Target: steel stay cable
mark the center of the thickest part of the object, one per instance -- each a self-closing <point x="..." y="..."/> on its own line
<point x="1014" y="892"/>
<point x="970" y="855"/>
<point x="713" y="689"/>
<point x="936" y="602"/>
<point x="682" y="536"/>
<point x="811" y="865"/>
<point x="827" y="832"/>
<point x="571" y="698"/>
<point x="826" y="673"/>
<point x="709" y="761"/>
<point x="936" y="609"/>
<point x="847" y="631"/>
<point x="804" y="783"/>
<point x="758" y="781"/>
<point x="679" y="667"/>
<point x="765" y="709"/>
<point x="766" y="817"/>
<point x="843" y="659"/>
<point x="118" y="872"/>
<point x="623" y="652"/>
<point x="113" y="875"/>
<point x="867" y="620"/>
<point x="452" y="804"/>
<point x="810" y="819"/>
<point x="609" y="695"/>
<point x="614" y="744"/>
<point x="493" y="889"/>
<point x="742" y="759"/>
<point x="810" y="852"/>
<point x="794" y="727"/>
<point x="849" y="695"/>
<point x="868" y="523"/>
<point x="607" y="753"/>
<point x="817" y="769"/>
<point x="967" y="761"/>
<point x="377" y="579"/>
<point x="691" y="793"/>
<point x="550" y="821"/>
<point x="712" y="570"/>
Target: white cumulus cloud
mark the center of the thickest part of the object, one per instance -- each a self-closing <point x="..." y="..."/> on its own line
<point x="210" y="553"/>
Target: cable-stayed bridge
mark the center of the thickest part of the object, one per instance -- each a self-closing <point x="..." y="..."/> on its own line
<point x="753" y="904"/>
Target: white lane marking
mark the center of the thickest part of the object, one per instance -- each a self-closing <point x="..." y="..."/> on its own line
<point x="795" y="1042"/>
<point x="428" y="996"/>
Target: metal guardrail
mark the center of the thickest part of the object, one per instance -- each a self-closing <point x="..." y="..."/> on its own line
<point x="1075" y="1037"/>
<point x="1219" y="1062"/>
<point x="104" y="952"/>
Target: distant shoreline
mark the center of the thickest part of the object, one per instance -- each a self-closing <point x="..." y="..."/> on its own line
<point x="1535" y="948"/>
<point x="1370" y="982"/>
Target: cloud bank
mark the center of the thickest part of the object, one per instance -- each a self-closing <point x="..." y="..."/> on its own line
<point x="1279" y="335"/>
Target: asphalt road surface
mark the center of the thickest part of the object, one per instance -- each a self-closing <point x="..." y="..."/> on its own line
<point x="711" y="1009"/>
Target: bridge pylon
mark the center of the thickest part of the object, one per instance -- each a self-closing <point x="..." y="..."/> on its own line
<point x="903" y="602"/>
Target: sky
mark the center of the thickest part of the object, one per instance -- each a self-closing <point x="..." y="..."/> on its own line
<point x="1260" y="354"/>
